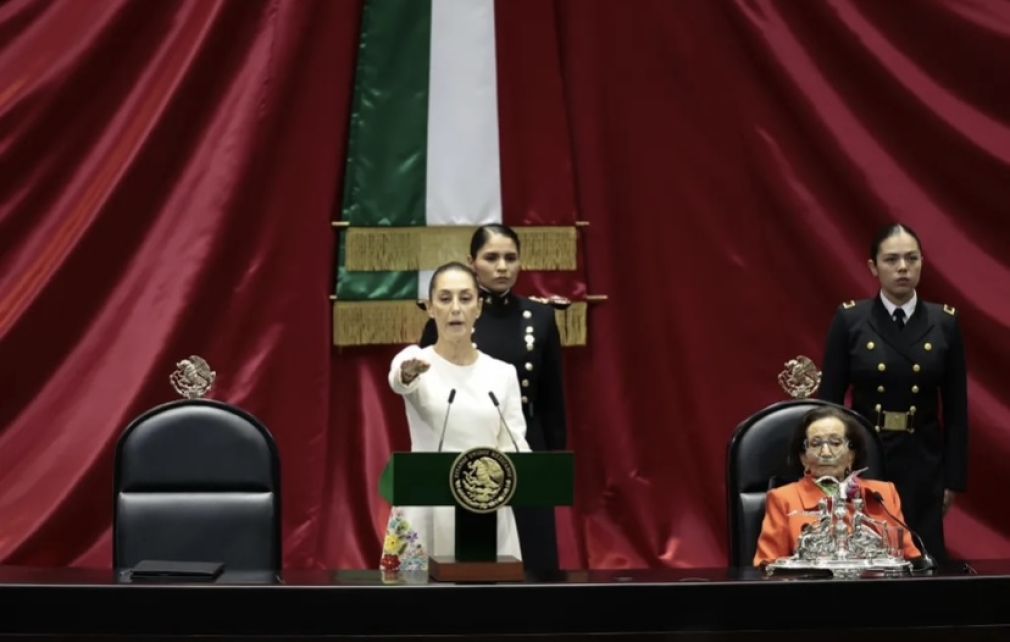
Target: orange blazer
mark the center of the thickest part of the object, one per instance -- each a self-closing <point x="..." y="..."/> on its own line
<point x="780" y="531"/>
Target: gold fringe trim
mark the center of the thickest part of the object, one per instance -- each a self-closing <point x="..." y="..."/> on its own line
<point x="397" y="249"/>
<point x="359" y="323"/>
<point x="572" y="324"/>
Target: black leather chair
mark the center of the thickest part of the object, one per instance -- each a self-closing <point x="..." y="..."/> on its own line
<point x="197" y="481"/>
<point x="756" y="462"/>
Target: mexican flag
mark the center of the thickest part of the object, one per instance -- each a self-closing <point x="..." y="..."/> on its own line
<point x="434" y="142"/>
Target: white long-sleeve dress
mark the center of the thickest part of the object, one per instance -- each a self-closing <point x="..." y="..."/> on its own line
<point x="415" y="532"/>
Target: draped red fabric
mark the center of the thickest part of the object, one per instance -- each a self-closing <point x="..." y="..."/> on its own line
<point x="537" y="172"/>
<point x="168" y="172"/>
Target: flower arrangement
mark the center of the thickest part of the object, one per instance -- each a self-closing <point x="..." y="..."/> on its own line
<point x="401" y="547"/>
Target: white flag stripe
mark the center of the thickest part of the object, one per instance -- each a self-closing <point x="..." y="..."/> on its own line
<point x="423" y="281"/>
<point x="463" y="179"/>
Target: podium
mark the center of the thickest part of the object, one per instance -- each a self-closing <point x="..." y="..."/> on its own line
<point x="423" y="479"/>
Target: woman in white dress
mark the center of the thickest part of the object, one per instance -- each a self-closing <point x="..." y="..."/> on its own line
<point x="425" y="377"/>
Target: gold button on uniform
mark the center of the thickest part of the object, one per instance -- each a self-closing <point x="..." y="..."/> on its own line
<point x="526" y="383"/>
<point x="529" y="366"/>
<point x="878" y="407"/>
<point x="525" y="400"/>
<point x="915" y="389"/>
<point x="870" y="345"/>
<point x="529" y="329"/>
<point x="880" y="388"/>
<point x="928" y="346"/>
<point x="916" y="368"/>
<point x="882" y="367"/>
<point x="527" y="314"/>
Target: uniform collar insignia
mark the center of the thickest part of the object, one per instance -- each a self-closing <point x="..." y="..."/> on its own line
<point x="496" y="301"/>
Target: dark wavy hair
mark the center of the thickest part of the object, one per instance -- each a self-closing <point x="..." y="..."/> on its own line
<point x="853" y="433"/>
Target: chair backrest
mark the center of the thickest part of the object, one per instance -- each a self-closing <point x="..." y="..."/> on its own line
<point x="756" y="461"/>
<point x="197" y="481"/>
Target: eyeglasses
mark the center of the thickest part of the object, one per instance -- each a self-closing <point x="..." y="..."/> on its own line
<point x="834" y="443"/>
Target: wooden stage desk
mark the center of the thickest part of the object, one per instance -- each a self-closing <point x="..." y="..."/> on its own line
<point x="962" y="601"/>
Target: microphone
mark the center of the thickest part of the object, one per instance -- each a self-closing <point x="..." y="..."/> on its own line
<point x="927" y="562"/>
<point x="504" y="423"/>
<point x="445" y="421"/>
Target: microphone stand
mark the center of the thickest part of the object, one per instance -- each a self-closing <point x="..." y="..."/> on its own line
<point x="504" y="423"/>
<point x="445" y="421"/>
<point x="928" y="562"/>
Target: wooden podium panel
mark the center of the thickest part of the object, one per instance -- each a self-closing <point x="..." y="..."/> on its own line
<point x="448" y="569"/>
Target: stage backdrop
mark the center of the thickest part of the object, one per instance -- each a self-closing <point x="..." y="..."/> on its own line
<point x="169" y="171"/>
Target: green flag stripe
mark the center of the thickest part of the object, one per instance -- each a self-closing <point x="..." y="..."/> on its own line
<point x="385" y="180"/>
<point x="360" y="286"/>
<point x="385" y="176"/>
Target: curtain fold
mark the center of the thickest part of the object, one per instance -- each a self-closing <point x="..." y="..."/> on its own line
<point x="173" y="169"/>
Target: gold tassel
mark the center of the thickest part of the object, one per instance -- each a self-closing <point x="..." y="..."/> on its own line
<point x="398" y="249"/>
<point x="358" y="323"/>
<point x="572" y="324"/>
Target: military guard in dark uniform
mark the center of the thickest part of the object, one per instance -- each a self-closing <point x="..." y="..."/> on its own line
<point x="524" y="333"/>
<point x="904" y="360"/>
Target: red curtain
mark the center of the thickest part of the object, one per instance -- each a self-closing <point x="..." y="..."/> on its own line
<point x="168" y="172"/>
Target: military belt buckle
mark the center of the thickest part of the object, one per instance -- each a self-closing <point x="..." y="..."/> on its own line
<point x="896" y="421"/>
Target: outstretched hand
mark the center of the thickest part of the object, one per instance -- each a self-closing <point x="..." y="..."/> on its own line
<point x="410" y="369"/>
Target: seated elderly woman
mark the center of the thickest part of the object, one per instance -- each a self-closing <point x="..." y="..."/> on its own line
<point x="827" y="443"/>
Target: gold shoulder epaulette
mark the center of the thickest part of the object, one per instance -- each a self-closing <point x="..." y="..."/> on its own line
<point x="849" y="304"/>
<point x="555" y="301"/>
<point x="949" y="310"/>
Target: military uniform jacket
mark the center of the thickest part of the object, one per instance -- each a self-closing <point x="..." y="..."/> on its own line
<point x="524" y="333"/>
<point x="918" y="369"/>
